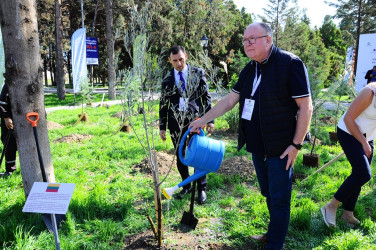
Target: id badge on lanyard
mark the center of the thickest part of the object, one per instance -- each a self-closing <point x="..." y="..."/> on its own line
<point x="249" y="104"/>
<point x="183" y="104"/>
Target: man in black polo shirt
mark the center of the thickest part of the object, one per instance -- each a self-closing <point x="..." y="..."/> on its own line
<point x="275" y="110"/>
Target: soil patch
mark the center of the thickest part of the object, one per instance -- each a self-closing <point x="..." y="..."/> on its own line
<point x="178" y="238"/>
<point x="73" y="138"/>
<point x="164" y="161"/>
<point x="53" y="125"/>
<point x="240" y="165"/>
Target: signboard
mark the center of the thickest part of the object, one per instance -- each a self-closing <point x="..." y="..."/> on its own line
<point x="92" y="51"/>
<point x="79" y="67"/>
<point x="366" y="58"/>
<point x="2" y="60"/>
<point x="49" y="198"/>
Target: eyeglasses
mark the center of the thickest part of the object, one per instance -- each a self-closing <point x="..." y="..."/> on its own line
<point x="251" y="40"/>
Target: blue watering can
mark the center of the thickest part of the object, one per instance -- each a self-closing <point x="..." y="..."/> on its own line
<point x="203" y="153"/>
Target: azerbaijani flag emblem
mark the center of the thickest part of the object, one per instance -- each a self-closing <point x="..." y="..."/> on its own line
<point x="52" y="188"/>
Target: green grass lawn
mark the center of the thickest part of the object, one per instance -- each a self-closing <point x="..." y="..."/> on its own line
<point x="111" y="202"/>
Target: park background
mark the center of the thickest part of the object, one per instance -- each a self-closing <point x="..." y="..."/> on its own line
<point x="114" y="190"/>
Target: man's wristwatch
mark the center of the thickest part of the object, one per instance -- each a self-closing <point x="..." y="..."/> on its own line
<point x="297" y="146"/>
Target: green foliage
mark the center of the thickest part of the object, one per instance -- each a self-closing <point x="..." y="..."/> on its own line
<point x="348" y="12"/>
<point x="333" y="40"/>
<point x="86" y="93"/>
<point x="277" y="13"/>
<point x="303" y="42"/>
<point x="111" y="200"/>
<point x="340" y="89"/>
<point x="232" y="119"/>
<point x="237" y="63"/>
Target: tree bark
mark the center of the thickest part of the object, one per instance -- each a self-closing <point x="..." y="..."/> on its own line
<point x="23" y="77"/>
<point x="59" y="74"/>
<point x="92" y="35"/>
<point x="110" y="51"/>
<point x="357" y="34"/>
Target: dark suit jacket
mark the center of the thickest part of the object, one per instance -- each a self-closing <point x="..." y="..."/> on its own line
<point x="368" y="77"/>
<point x="199" y="99"/>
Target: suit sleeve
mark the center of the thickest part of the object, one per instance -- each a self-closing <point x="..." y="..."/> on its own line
<point x="163" y="106"/>
<point x="206" y="97"/>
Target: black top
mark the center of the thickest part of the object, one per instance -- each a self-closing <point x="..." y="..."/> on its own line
<point x="283" y="76"/>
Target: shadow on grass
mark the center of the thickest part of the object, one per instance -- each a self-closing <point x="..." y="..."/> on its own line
<point x="14" y="220"/>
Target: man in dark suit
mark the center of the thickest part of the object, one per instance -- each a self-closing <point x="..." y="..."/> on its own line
<point x="371" y="75"/>
<point x="184" y="97"/>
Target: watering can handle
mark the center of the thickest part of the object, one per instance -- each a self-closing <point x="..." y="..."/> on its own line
<point x="181" y="145"/>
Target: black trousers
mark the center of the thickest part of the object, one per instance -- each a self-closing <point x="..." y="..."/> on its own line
<point x="349" y="191"/>
<point x="11" y="149"/>
<point x="183" y="169"/>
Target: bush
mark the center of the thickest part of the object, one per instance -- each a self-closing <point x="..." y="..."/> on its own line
<point x="232" y="118"/>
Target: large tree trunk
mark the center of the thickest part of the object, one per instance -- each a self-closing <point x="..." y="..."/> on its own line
<point x="59" y="74"/>
<point x="110" y="51"/>
<point x="92" y="35"/>
<point x="45" y="70"/>
<point x="357" y="35"/>
<point x="23" y="76"/>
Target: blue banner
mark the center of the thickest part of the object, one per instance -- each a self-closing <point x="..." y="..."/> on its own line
<point x="92" y="51"/>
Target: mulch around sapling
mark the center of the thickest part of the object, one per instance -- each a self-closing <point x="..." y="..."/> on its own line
<point x="240" y="165"/>
<point x="73" y="138"/>
<point x="181" y="237"/>
<point x="53" y="125"/>
<point x="164" y="161"/>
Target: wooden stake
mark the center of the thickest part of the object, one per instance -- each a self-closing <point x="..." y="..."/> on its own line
<point x="327" y="164"/>
<point x="122" y="125"/>
<point x="157" y="198"/>
<point x="80" y="118"/>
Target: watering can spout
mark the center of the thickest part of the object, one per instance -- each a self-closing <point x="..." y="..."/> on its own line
<point x="167" y="192"/>
<point x="197" y="175"/>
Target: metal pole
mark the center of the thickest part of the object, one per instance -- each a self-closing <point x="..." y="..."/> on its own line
<point x="82" y="13"/>
<point x="56" y="234"/>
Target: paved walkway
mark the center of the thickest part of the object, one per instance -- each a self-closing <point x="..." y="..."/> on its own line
<point x="147" y="95"/>
<point x="215" y="96"/>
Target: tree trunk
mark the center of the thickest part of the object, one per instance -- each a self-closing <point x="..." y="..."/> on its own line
<point x="23" y="76"/>
<point x="357" y="35"/>
<point x="50" y="65"/>
<point x="59" y="74"/>
<point x="93" y="34"/>
<point x="110" y="51"/>
<point x="45" y="70"/>
<point x="276" y="27"/>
